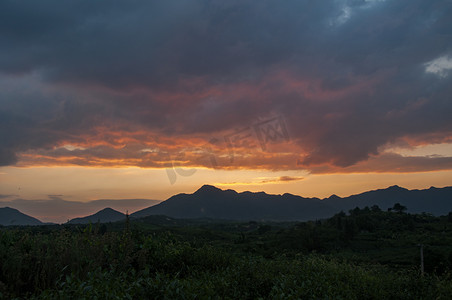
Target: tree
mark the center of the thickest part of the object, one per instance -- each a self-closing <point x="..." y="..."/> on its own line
<point x="350" y="229"/>
<point x="399" y="208"/>
<point x="354" y="212"/>
<point x="375" y="208"/>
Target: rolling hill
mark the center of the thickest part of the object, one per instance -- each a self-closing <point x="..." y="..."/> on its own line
<point x="104" y="216"/>
<point x="10" y="216"/>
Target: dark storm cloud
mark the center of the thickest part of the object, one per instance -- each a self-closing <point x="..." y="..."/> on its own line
<point x="145" y="42"/>
<point x="153" y="43"/>
<point x="392" y="163"/>
<point x="32" y="117"/>
<point x="348" y="76"/>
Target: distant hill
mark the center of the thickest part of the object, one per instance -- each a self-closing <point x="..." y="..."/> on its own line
<point x="10" y="216"/>
<point x="104" y="216"/>
<point x="437" y="201"/>
<point x="212" y="202"/>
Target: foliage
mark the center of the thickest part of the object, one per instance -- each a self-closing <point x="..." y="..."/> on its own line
<point x="354" y="256"/>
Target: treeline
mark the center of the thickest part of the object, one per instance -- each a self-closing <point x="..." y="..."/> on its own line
<point x="368" y="235"/>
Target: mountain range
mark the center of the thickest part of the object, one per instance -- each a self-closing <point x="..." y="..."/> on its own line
<point x="212" y="202"/>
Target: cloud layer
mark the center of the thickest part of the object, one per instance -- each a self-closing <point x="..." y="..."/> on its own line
<point x="158" y="84"/>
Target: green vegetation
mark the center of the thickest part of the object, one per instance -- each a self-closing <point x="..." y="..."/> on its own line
<point x="366" y="254"/>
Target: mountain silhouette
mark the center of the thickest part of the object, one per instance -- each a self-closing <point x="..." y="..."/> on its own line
<point x="212" y="202"/>
<point x="11" y="216"/>
<point x="437" y="201"/>
<point x="104" y="216"/>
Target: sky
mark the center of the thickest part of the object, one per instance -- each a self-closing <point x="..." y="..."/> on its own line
<point x="132" y="102"/>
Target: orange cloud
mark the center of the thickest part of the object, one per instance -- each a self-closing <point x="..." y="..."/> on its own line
<point x="211" y="124"/>
<point x="262" y="180"/>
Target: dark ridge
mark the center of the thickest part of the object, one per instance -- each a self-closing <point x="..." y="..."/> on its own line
<point x="212" y="202"/>
<point x="11" y="216"/>
<point x="103" y="216"/>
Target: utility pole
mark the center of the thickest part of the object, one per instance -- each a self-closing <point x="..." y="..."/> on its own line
<point x="127" y="221"/>
<point x="422" y="258"/>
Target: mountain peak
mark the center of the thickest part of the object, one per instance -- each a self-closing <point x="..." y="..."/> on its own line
<point x="207" y="189"/>
<point x="107" y="209"/>
<point x="103" y="216"/>
<point x="7" y="208"/>
<point x="334" y="197"/>
<point x="396" y="188"/>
